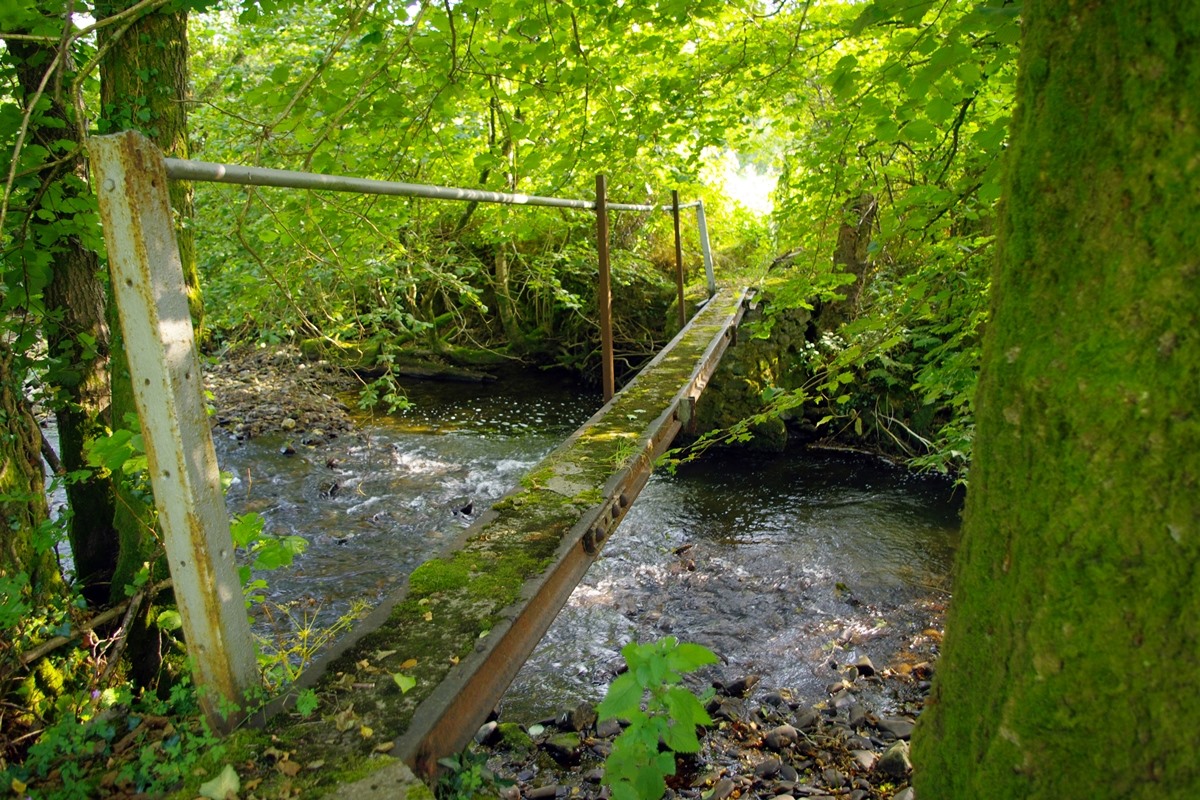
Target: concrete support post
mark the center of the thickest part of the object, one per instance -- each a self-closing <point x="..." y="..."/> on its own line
<point x="147" y="280"/>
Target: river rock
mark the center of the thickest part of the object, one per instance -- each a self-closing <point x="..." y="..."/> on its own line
<point x="738" y="687"/>
<point x="722" y="789"/>
<point x="563" y="748"/>
<point x="781" y="737"/>
<point x="864" y="666"/>
<point x="833" y="778"/>
<point x="542" y="792"/>
<point x="608" y="729"/>
<point x="900" y="727"/>
<point x="865" y="758"/>
<point x="806" y="719"/>
<point x="488" y="734"/>
<point x="895" y="762"/>
<point x="906" y="793"/>
<point x="580" y="718"/>
<point x="513" y="737"/>
<point x="855" y="715"/>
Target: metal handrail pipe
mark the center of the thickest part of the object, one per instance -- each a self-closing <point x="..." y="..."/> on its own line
<point x="183" y="169"/>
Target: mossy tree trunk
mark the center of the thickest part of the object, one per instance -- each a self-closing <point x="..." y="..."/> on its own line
<point x="851" y="257"/>
<point x="1069" y="666"/>
<point x="144" y="86"/>
<point x="22" y="499"/>
<point x="74" y="325"/>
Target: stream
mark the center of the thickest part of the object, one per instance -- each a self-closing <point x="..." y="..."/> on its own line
<point x="779" y="563"/>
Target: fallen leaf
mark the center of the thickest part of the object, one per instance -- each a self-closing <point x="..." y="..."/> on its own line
<point x="365" y="732"/>
<point x="380" y="655"/>
<point x="288" y="768"/>
<point x="412" y="662"/>
<point x="429" y="616"/>
<point x="18" y="787"/>
<point x="405" y="682"/>
<point x="345" y="720"/>
<point x="315" y="765"/>
<point x="454" y="660"/>
<point x="220" y="787"/>
<point x="383" y="747"/>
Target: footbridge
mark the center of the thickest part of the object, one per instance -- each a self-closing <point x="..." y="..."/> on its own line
<point x="417" y="677"/>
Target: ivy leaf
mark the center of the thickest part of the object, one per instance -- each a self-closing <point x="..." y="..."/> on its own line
<point x="405" y="682"/>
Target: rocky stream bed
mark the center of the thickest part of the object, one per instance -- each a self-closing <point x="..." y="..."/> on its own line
<point x="849" y="741"/>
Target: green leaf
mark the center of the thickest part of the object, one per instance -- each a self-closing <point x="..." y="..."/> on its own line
<point x="920" y="130"/>
<point x="245" y="528"/>
<point x="279" y="552"/>
<point x="405" y="682"/>
<point x="684" y="708"/>
<point x="939" y="110"/>
<point x="689" y="656"/>
<point x="306" y="703"/>
<point x="623" y="699"/>
<point x="887" y="130"/>
<point x="169" y="620"/>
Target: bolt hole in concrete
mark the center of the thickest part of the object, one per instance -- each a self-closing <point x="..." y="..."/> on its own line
<point x="771" y="560"/>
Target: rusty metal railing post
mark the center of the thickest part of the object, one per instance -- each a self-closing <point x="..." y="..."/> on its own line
<point x="604" y="290"/>
<point x="678" y="256"/>
<point x="147" y="281"/>
<point x="706" y="248"/>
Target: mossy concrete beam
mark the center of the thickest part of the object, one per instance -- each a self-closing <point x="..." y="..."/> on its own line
<point x="464" y="623"/>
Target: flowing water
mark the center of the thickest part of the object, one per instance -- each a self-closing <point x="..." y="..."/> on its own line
<point x="777" y="562"/>
<point x="373" y="506"/>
